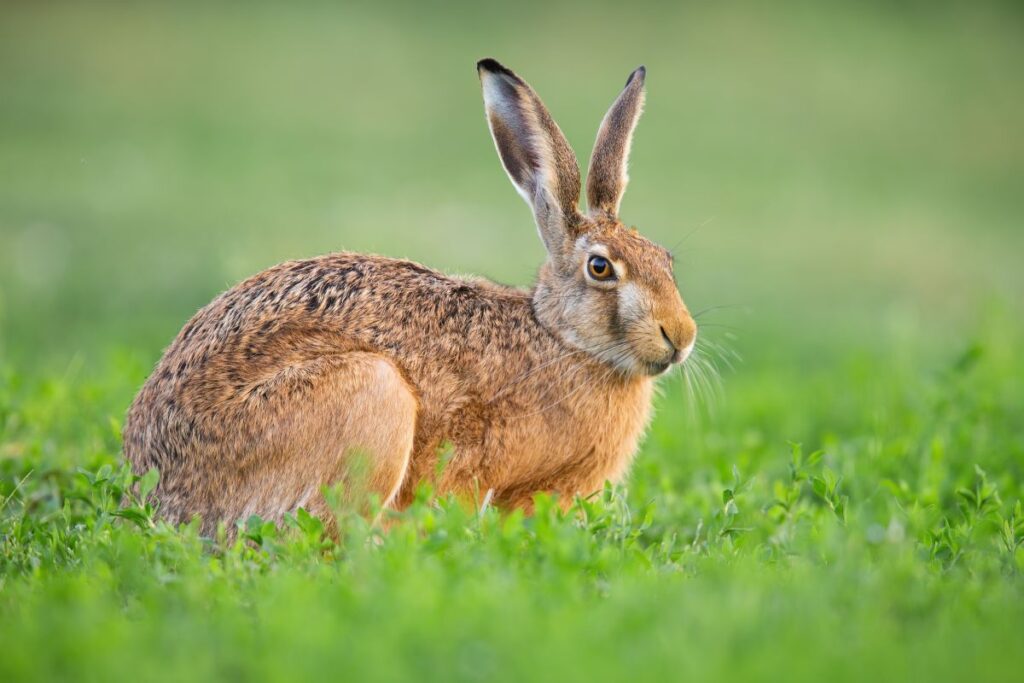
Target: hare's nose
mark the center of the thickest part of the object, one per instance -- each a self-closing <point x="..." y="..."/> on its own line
<point x="668" y="340"/>
<point x="680" y="338"/>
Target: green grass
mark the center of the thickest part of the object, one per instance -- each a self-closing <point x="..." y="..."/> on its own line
<point x="843" y="185"/>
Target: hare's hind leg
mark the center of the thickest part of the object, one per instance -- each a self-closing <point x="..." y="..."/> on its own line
<point x="349" y="418"/>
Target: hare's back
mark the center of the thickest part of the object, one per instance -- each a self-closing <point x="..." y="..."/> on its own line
<point x="298" y="308"/>
<point x="340" y="302"/>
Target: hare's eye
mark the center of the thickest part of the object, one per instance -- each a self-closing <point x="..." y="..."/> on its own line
<point x="599" y="268"/>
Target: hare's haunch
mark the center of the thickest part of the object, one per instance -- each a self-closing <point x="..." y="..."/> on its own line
<point x="357" y="368"/>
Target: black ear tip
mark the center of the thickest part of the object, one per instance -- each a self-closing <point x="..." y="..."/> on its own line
<point x="491" y="65"/>
<point x="640" y="72"/>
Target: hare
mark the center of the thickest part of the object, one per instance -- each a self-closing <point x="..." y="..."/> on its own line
<point x="282" y="384"/>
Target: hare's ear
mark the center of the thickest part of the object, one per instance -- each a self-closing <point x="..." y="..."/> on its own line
<point x="607" y="177"/>
<point x="534" y="152"/>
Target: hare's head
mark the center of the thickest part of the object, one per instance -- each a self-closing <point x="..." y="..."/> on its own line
<point x="604" y="288"/>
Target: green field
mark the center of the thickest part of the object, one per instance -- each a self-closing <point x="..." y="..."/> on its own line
<point x="844" y="188"/>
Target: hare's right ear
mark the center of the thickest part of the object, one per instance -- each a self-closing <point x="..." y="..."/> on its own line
<point x="607" y="177"/>
<point x="535" y="154"/>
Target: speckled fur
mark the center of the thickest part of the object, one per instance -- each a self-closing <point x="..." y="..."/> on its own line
<point x="271" y="391"/>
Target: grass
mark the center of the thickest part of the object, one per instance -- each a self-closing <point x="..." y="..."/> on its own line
<point x="842" y="186"/>
<point x="889" y="545"/>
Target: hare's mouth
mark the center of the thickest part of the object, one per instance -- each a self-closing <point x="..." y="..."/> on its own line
<point x="657" y="368"/>
<point x="660" y="367"/>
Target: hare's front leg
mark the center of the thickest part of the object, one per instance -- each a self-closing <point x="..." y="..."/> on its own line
<point x="353" y="422"/>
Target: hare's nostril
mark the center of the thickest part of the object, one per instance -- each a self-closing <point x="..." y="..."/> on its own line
<point x="664" y="335"/>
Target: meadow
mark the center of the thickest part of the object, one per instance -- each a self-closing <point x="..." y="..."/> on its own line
<point x="843" y="186"/>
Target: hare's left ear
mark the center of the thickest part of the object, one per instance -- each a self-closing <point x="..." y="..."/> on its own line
<point x="535" y="154"/>
<point x="607" y="177"/>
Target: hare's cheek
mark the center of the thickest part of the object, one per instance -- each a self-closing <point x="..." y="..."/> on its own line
<point x="599" y="321"/>
<point x="633" y="304"/>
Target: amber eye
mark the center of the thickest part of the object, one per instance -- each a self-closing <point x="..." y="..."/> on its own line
<point x="600" y="268"/>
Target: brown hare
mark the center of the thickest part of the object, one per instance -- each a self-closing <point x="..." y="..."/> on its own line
<point x="278" y="386"/>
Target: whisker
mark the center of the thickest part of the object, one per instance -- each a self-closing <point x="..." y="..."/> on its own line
<point x="581" y="386"/>
<point x="719" y="307"/>
<point x="731" y="328"/>
<point x="702" y="381"/>
<point x="524" y="375"/>
<point x="613" y="354"/>
<point x="715" y="351"/>
<point x="690" y="234"/>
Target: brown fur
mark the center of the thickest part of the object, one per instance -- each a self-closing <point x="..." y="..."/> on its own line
<point x="279" y="385"/>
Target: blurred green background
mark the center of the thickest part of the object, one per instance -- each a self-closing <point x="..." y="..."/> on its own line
<point x="838" y="177"/>
<point x="843" y="185"/>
